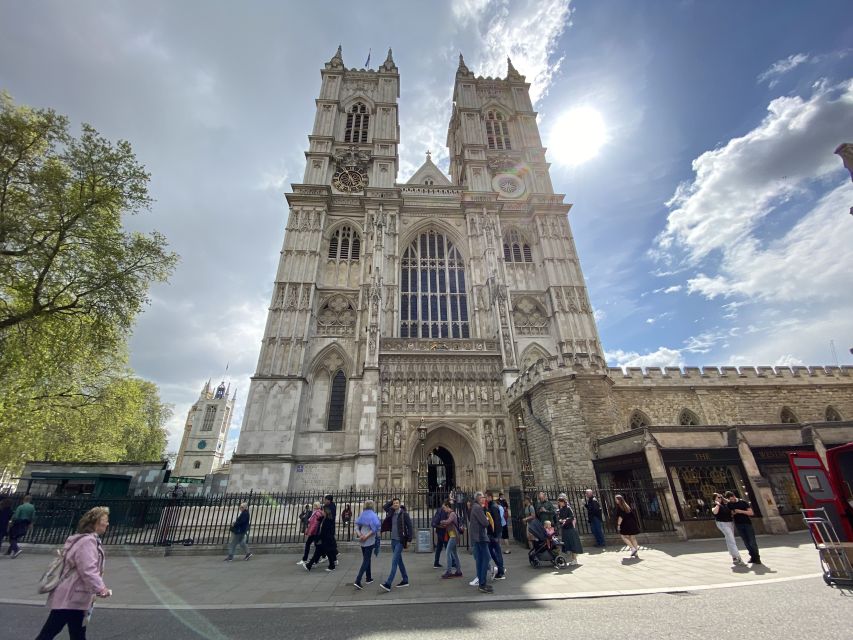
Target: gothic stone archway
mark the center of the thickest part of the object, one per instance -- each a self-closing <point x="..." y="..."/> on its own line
<point x="454" y="446"/>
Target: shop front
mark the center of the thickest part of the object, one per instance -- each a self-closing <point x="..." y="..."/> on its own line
<point x="774" y="467"/>
<point x="618" y="472"/>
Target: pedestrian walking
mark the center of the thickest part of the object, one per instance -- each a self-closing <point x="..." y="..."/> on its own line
<point x="401" y="535"/>
<point x="528" y="515"/>
<point x="440" y="534"/>
<point x="367" y="527"/>
<point x="450" y="523"/>
<point x="72" y="600"/>
<point x="741" y="514"/>
<point x="494" y="534"/>
<point x="240" y="533"/>
<point x="478" y="529"/>
<point x="545" y="509"/>
<point x="312" y="531"/>
<point x="505" y="523"/>
<point x="594" y="516"/>
<point x="325" y="545"/>
<point x="5" y="516"/>
<point x="346" y="520"/>
<point x="724" y="521"/>
<point x="627" y="525"/>
<point x="569" y="533"/>
<point x="21" y="523"/>
<point x="304" y="516"/>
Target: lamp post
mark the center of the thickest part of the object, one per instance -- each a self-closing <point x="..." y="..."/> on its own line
<point x="528" y="481"/>
<point x="423" y="478"/>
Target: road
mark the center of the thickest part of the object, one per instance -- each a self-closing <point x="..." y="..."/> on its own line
<point x="795" y="609"/>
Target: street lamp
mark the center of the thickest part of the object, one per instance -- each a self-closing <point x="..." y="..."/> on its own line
<point x="528" y="481"/>
<point x="423" y="478"/>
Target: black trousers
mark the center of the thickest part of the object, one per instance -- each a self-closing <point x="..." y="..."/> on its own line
<point x="57" y="620"/>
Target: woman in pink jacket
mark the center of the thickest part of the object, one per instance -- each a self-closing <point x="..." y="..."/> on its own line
<point x="312" y="532"/>
<point x="75" y="594"/>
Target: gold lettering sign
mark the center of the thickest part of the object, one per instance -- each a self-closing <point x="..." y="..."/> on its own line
<point x="703" y="456"/>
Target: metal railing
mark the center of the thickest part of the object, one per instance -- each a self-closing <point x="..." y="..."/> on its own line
<point x="193" y="520"/>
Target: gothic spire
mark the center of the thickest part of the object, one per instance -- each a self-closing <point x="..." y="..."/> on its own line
<point x="511" y="72"/>
<point x="462" y="68"/>
<point x="337" y="60"/>
<point x="388" y="65"/>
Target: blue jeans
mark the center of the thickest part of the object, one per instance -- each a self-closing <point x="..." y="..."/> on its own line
<point x="238" y="539"/>
<point x="747" y="534"/>
<point x="597" y="531"/>
<point x="397" y="561"/>
<point x="366" y="553"/>
<point x="439" y="545"/>
<point x="497" y="556"/>
<point x="481" y="557"/>
<point x="452" y="557"/>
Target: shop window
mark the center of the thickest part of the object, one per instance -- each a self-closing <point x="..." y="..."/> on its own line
<point x="832" y="415"/>
<point x="688" y="419"/>
<point x="783" y="488"/>
<point x="695" y="487"/>
<point x="638" y="420"/>
<point x="787" y="416"/>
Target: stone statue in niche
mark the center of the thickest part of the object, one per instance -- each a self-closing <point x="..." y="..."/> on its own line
<point x="434" y="394"/>
<point x="484" y="395"/>
<point x="410" y="395"/>
<point x="447" y="395"/>
<point x="490" y="441"/>
<point x="501" y="435"/>
<point x="398" y="438"/>
<point x="460" y="394"/>
<point x="496" y="395"/>
<point x="398" y="393"/>
<point x="471" y="396"/>
<point x="422" y="394"/>
<point x="385" y="393"/>
<point x="383" y="438"/>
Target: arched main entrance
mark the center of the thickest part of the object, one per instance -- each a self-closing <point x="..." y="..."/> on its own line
<point x="441" y="471"/>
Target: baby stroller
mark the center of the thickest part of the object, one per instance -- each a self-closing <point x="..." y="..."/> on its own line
<point x="541" y="551"/>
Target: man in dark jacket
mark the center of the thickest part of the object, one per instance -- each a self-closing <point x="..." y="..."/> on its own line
<point x="478" y="530"/>
<point x="741" y="514"/>
<point x="495" y="536"/>
<point x="401" y="535"/>
<point x="440" y="543"/>
<point x="594" y="515"/>
<point x="239" y="533"/>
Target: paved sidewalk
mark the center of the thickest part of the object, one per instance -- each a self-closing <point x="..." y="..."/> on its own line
<point x="275" y="580"/>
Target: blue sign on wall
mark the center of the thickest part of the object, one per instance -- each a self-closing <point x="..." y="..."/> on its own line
<point x="300" y="468"/>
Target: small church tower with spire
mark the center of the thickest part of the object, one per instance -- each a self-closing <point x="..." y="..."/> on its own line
<point x="203" y="445"/>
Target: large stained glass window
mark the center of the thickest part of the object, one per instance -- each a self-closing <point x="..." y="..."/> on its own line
<point x="433" y="303"/>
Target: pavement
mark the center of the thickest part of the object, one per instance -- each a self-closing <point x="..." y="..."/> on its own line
<point x="274" y="580"/>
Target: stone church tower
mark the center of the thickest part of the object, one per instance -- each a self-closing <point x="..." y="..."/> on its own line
<point x="203" y="445"/>
<point x="402" y="312"/>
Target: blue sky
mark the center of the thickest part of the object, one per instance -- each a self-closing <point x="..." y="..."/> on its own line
<point x="711" y="223"/>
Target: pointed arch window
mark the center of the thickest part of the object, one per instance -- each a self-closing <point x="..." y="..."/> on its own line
<point x="638" y="420"/>
<point x="209" y="415"/>
<point x="358" y="120"/>
<point x="516" y="248"/>
<point x="197" y="464"/>
<point x="688" y="419"/>
<point x="497" y="131"/>
<point x="337" y="400"/>
<point x="345" y="244"/>
<point x="433" y="300"/>
<point x="787" y="416"/>
<point x="832" y="415"/>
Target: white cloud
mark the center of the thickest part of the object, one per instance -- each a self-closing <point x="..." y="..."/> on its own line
<point x="599" y="314"/>
<point x="781" y="67"/>
<point x="739" y="184"/>
<point x="663" y="357"/>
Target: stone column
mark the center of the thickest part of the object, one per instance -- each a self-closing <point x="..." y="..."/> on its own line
<point x="773" y="522"/>
<point x="657" y="469"/>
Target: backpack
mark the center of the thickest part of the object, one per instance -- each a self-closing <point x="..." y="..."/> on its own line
<point x="437" y="518"/>
<point x="56" y="572"/>
<point x="491" y="529"/>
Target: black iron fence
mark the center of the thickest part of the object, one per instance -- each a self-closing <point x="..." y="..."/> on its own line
<point x="649" y="502"/>
<point x="192" y="520"/>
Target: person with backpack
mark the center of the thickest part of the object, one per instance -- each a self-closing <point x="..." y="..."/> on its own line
<point x="595" y="517"/>
<point x="312" y="530"/>
<point x="239" y="533"/>
<point x="401" y="534"/>
<point x="493" y="511"/>
<point x="79" y="580"/>
<point x="450" y="523"/>
<point x="505" y="522"/>
<point x="440" y="534"/>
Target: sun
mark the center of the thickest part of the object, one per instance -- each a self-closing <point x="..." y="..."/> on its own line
<point x="577" y="136"/>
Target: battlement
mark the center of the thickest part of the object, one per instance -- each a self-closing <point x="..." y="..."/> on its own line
<point x="546" y="369"/>
<point x="729" y="375"/>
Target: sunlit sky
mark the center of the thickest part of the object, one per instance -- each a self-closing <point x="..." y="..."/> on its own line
<point x="695" y="140"/>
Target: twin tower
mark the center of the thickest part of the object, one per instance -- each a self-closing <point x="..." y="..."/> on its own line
<point x="402" y="312"/>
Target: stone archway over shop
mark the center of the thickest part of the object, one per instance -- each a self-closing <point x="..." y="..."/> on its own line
<point x="449" y="441"/>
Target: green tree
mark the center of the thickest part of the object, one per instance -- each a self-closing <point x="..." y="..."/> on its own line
<point x="72" y="281"/>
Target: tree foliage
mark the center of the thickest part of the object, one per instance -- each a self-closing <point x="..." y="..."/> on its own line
<point x="72" y="281"/>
